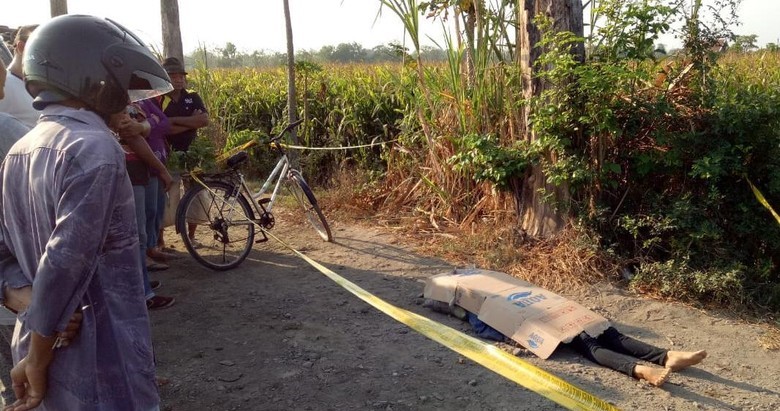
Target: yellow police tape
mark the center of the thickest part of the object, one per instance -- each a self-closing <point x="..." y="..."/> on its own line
<point x="487" y="355"/>
<point x="761" y="199"/>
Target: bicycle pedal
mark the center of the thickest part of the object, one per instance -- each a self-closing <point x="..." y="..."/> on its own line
<point x="264" y="201"/>
<point x="262" y="240"/>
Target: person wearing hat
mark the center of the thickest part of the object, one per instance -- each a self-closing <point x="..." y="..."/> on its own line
<point x="184" y="108"/>
<point x="186" y="113"/>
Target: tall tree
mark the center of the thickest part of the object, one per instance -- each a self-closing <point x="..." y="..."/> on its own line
<point x="58" y="7"/>
<point x="171" y="31"/>
<point x="538" y="215"/>
<point x="292" y="104"/>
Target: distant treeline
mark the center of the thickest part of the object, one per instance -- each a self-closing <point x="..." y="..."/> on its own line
<point x="230" y="57"/>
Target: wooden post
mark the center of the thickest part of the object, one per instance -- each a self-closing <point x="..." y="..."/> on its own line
<point x="171" y="31"/>
<point x="292" y="103"/>
<point x="58" y="7"/>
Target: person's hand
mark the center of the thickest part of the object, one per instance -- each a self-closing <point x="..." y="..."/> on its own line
<point x="29" y="381"/>
<point x="71" y="330"/>
<point x="117" y="120"/>
<point x="201" y="115"/>
<point x="129" y="127"/>
<point x="166" y="179"/>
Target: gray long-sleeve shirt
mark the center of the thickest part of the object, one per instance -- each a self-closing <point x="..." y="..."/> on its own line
<point x="69" y="229"/>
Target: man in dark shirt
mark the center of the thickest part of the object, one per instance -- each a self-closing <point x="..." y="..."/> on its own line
<point x="184" y="108"/>
<point x="187" y="114"/>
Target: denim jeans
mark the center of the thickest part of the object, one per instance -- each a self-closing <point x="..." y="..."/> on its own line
<point x="139" y="194"/>
<point x="155" y="210"/>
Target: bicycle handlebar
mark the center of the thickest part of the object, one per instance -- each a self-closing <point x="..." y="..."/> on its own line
<point x="286" y="130"/>
<point x="251" y="143"/>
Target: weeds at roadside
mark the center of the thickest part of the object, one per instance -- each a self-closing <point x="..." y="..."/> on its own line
<point x="494" y="242"/>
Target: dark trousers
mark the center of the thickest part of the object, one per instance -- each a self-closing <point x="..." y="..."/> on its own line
<point x="6" y="364"/>
<point x="617" y="351"/>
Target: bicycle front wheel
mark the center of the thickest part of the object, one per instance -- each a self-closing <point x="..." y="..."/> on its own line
<point x="216" y="224"/>
<point x="305" y="197"/>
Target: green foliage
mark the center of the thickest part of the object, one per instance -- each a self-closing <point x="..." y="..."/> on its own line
<point x="688" y="207"/>
<point x="676" y="279"/>
<point x="201" y="154"/>
<point x="663" y="173"/>
<point x="486" y="161"/>
<point x="629" y="30"/>
<point x="231" y="57"/>
<point x="745" y="43"/>
<point x="341" y="106"/>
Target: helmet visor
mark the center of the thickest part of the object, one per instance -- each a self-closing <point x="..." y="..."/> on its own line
<point x="145" y="85"/>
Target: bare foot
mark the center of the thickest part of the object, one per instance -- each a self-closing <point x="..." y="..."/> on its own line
<point x="655" y="376"/>
<point x="677" y="360"/>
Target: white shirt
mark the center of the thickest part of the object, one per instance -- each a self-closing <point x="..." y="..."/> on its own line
<point x="18" y="102"/>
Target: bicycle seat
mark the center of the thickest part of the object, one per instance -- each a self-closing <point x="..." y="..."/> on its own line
<point x="237" y="159"/>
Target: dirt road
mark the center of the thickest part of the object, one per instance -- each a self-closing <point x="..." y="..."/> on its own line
<point x="275" y="334"/>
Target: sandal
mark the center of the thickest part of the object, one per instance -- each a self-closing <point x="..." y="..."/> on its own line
<point x="152" y="265"/>
<point x="159" y="302"/>
<point x="160" y="256"/>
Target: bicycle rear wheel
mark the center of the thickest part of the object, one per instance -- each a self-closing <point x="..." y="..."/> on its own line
<point x="216" y="225"/>
<point x="305" y="197"/>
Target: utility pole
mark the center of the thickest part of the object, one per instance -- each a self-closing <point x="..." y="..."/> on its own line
<point x="58" y="7"/>
<point x="171" y="30"/>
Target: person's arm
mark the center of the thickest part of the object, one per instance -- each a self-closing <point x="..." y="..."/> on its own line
<point x="30" y="375"/>
<point x="141" y="148"/>
<point x="17" y="299"/>
<point x="177" y="129"/>
<point x="15" y="293"/>
<point x="198" y="119"/>
<point x="156" y="118"/>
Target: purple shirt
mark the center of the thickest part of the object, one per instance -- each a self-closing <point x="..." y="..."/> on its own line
<point x="160" y="127"/>
<point x="69" y="228"/>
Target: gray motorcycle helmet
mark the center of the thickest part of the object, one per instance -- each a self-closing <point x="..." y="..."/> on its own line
<point x="93" y="60"/>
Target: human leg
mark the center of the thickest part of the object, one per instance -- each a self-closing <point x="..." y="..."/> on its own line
<point x="152" y="198"/>
<point x="6" y="363"/>
<point x="155" y="207"/>
<point x="674" y="360"/>
<point x="617" y="341"/>
<point x="592" y="349"/>
<point x="162" y="204"/>
<point x="139" y="194"/>
<point x="153" y="302"/>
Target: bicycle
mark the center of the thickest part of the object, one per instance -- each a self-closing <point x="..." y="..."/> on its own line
<point x="218" y="214"/>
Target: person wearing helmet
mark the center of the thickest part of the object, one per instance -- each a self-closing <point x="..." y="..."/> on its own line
<point x="69" y="225"/>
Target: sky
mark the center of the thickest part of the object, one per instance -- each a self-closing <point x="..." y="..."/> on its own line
<point x="259" y="24"/>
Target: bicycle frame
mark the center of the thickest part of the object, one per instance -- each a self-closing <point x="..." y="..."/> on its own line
<point x="279" y="172"/>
